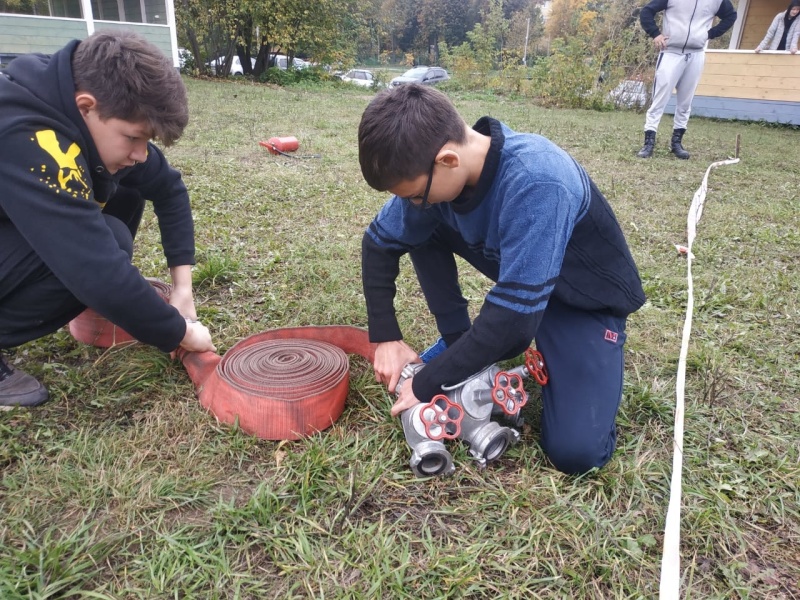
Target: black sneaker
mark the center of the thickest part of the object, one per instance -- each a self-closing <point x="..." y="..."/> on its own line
<point x="19" y="389"/>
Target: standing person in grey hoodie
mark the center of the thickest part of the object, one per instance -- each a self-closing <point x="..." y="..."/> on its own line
<point x="681" y="41"/>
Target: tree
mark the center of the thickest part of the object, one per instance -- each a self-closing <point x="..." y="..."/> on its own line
<point x="209" y="28"/>
<point x="569" y="19"/>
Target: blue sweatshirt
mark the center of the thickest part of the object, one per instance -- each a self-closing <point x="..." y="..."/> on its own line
<point x="534" y="213"/>
<point x="54" y="188"/>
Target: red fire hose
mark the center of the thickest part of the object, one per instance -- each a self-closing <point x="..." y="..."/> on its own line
<point x="92" y="328"/>
<point x="281" y="384"/>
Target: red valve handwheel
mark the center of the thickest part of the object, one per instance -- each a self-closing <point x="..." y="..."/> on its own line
<point x="534" y="362"/>
<point x="443" y="415"/>
<point x="505" y="389"/>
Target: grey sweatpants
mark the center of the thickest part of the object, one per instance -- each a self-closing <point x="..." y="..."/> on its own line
<point x="680" y="72"/>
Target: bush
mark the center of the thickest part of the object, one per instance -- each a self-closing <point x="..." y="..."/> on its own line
<point x="286" y="77"/>
<point x="568" y="77"/>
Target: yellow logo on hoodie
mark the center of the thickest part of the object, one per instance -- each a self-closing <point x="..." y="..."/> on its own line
<point x="69" y="173"/>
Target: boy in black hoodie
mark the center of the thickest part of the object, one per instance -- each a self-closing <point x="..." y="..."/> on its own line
<point x="77" y="165"/>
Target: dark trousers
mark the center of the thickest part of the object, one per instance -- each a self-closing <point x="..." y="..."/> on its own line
<point x="583" y="352"/>
<point x="33" y="302"/>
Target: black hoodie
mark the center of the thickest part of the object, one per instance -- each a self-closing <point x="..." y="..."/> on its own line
<point x="54" y="186"/>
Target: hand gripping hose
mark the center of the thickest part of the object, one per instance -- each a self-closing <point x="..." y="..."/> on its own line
<point x="281" y="384"/>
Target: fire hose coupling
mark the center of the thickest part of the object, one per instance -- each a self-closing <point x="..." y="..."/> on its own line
<point x="465" y="411"/>
<point x="425" y="426"/>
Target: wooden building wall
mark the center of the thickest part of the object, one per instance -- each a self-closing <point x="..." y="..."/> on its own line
<point x="745" y="74"/>
<point x="740" y="84"/>
<point x="20" y="34"/>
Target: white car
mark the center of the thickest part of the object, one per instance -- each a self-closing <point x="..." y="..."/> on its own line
<point x="185" y="57"/>
<point x="282" y="61"/>
<point x="236" y="65"/>
<point x="361" y="77"/>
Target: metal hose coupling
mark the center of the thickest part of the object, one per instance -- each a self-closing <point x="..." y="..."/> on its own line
<point x="478" y="396"/>
<point x="465" y="411"/>
<point x="425" y="426"/>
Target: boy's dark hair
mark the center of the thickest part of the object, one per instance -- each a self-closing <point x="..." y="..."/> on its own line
<point x="402" y="131"/>
<point x="132" y="80"/>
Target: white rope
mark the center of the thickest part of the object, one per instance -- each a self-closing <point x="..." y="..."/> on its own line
<point x="670" y="563"/>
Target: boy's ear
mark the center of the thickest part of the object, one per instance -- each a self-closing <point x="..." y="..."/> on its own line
<point x="448" y="158"/>
<point x="85" y="102"/>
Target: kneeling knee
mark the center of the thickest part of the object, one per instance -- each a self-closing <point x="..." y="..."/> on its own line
<point x="576" y="457"/>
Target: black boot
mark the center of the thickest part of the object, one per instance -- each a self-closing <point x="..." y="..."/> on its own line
<point x="677" y="147"/>
<point x="649" y="144"/>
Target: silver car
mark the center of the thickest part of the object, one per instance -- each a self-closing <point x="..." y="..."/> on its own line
<point x="423" y="75"/>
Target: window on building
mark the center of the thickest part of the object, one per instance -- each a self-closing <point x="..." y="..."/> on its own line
<point x="130" y="11"/>
<point x="43" y="8"/>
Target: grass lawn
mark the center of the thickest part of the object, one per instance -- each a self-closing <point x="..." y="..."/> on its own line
<point x="124" y="487"/>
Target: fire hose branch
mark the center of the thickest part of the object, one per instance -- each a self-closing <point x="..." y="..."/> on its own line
<point x="489" y="391"/>
<point x="534" y="365"/>
<point x="508" y="393"/>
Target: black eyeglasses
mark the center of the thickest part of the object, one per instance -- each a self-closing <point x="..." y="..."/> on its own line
<point x="421" y="202"/>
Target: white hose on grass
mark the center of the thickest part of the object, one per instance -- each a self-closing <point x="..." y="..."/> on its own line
<point x="670" y="564"/>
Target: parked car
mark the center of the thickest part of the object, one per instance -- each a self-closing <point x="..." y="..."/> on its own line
<point x="282" y="61"/>
<point x="630" y="93"/>
<point x="361" y="77"/>
<point x="424" y="75"/>
<point x="236" y="65"/>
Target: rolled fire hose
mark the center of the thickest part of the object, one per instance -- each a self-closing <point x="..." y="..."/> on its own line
<point x="281" y="384"/>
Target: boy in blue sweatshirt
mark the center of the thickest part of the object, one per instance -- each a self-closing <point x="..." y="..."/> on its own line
<point x="521" y="211"/>
<point x="77" y="165"/>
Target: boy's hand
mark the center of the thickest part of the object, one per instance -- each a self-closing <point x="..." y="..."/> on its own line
<point x="390" y="358"/>
<point x="197" y="338"/>
<point x="660" y="41"/>
<point x="405" y="399"/>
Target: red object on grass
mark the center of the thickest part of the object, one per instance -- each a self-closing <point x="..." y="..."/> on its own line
<point x="282" y="384"/>
<point x="280" y="145"/>
<point x="92" y="328"/>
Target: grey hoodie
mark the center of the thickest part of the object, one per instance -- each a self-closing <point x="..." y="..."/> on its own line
<point x="687" y="23"/>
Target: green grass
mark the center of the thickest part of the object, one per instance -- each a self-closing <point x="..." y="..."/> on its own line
<point x="123" y="487"/>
